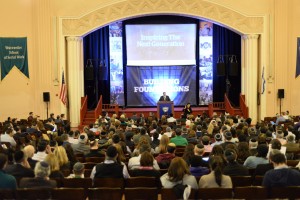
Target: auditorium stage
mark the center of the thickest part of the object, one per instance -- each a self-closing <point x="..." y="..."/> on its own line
<point x="146" y="111"/>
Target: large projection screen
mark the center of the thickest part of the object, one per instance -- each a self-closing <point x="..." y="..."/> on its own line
<point x="160" y="44"/>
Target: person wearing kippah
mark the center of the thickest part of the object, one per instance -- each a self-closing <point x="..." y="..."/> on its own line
<point x="41" y="179"/>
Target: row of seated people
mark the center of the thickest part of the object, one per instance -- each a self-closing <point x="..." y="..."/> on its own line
<point x="178" y="174"/>
<point x="193" y="156"/>
<point x="138" y="193"/>
<point x="151" y="193"/>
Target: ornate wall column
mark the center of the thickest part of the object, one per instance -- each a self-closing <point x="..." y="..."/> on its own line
<point x="250" y="74"/>
<point x="75" y="77"/>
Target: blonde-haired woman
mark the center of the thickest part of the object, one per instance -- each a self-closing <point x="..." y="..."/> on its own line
<point x="62" y="157"/>
<point x="178" y="173"/>
<point x="163" y="144"/>
<point x="52" y="161"/>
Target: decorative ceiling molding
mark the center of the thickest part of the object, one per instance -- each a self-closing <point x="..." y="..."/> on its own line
<point x="134" y="8"/>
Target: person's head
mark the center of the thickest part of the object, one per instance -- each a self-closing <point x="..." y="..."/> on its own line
<point x="177" y="169"/>
<point x="3" y="160"/>
<point x="217" y="150"/>
<point x="278" y="159"/>
<point x="171" y="148"/>
<point x="216" y="165"/>
<point x="78" y="169"/>
<point x="262" y="150"/>
<point x="111" y="153"/>
<point x="29" y="151"/>
<point x="42" y="170"/>
<point x="205" y="140"/>
<point x="146" y="159"/>
<point x="279" y="134"/>
<point x="121" y="156"/>
<point x="188" y="105"/>
<point x="230" y="155"/>
<point x="188" y="151"/>
<point x="20" y="156"/>
<point x="61" y="154"/>
<point x="42" y="145"/>
<point x="52" y="160"/>
<point x="218" y="137"/>
<point x="178" y="131"/>
<point x="199" y="149"/>
<point x="275" y="144"/>
<point x="164" y="93"/>
<point x="65" y="137"/>
<point x="290" y="138"/>
<point x="144" y="147"/>
<point x="228" y="136"/>
<point x="253" y="143"/>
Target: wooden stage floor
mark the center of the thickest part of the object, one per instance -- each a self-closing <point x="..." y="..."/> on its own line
<point x="146" y="111"/>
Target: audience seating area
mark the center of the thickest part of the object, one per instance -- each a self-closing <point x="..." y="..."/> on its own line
<point x="152" y="193"/>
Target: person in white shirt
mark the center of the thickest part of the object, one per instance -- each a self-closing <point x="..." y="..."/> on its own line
<point x="168" y="132"/>
<point x="134" y="162"/>
<point x="171" y="118"/>
<point x="8" y="137"/>
<point x="43" y="149"/>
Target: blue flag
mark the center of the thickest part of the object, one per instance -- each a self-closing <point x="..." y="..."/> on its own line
<point x="298" y="59"/>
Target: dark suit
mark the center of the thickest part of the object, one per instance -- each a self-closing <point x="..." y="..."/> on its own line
<point x="19" y="171"/>
<point x="235" y="169"/>
<point x="162" y="98"/>
<point x="261" y="169"/>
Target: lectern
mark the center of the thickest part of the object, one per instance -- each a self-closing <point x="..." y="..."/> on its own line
<point x="165" y="108"/>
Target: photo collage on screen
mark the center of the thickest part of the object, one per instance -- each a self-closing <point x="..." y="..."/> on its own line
<point x="205" y="63"/>
<point x="116" y="64"/>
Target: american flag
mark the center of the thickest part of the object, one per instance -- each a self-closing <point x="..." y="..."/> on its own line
<point x="63" y="90"/>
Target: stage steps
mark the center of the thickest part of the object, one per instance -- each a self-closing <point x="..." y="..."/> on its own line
<point x="89" y="118"/>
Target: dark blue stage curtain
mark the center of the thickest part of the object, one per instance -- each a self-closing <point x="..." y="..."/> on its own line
<point x="96" y="48"/>
<point x="226" y="42"/>
<point x="146" y="84"/>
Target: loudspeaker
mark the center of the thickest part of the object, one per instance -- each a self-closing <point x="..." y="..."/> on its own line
<point x="103" y="73"/>
<point x="46" y="96"/>
<point x="220" y="69"/>
<point x="280" y="93"/>
<point x="89" y="73"/>
<point x="233" y="69"/>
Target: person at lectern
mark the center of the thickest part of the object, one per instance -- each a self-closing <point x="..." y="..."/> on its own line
<point x="164" y="97"/>
<point x="187" y="110"/>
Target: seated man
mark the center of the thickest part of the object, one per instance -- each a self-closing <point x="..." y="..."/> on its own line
<point x="110" y="168"/>
<point x="21" y="168"/>
<point x="6" y="181"/>
<point x="178" y="140"/>
<point x="281" y="175"/>
<point x="233" y="168"/>
<point x="78" y="171"/>
<point x="41" y="180"/>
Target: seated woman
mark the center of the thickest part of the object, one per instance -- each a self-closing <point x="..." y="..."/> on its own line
<point x="163" y="144"/>
<point x="215" y="178"/>
<point x="62" y="157"/>
<point x="178" y="173"/>
<point x="41" y="179"/>
<point x="52" y="160"/>
<point x="146" y="168"/>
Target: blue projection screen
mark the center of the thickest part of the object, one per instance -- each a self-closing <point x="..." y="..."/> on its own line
<point x="146" y="84"/>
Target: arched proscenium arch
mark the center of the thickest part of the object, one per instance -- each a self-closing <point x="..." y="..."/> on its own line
<point x="132" y="8"/>
<point x="80" y="26"/>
